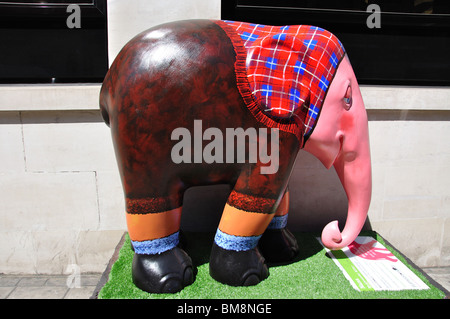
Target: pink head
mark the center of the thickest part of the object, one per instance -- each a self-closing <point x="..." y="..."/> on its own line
<point x="341" y="139"/>
<point x="302" y="74"/>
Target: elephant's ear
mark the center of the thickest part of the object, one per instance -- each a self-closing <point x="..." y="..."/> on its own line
<point x="276" y="69"/>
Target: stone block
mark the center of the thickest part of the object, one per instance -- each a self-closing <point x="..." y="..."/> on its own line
<point x="445" y="253"/>
<point x="378" y="186"/>
<point x="38" y="293"/>
<point x="111" y="201"/>
<point x="55" y="143"/>
<point x="417" y="239"/>
<point x="17" y="252"/>
<point x="94" y="249"/>
<point x="405" y="98"/>
<point x="30" y="97"/>
<point x="416" y="191"/>
<point x="417" y="180"/>
<point x="396" y="143"/>
<point x="11" y="144"/>
<point x="46" y="202"/>
<point x="128" y="18"/>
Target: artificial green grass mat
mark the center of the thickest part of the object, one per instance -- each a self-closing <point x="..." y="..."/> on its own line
<point x="312" y="275"/>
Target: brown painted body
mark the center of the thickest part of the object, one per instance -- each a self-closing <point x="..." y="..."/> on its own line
<point x="166" y="78"/>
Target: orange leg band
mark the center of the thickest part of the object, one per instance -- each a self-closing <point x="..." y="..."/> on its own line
<point x="238" y="222"/>
<point x="153" y="225"/>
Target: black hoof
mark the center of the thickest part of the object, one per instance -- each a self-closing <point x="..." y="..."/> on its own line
<point x="278" y="245"/>
<point x="168" y="272"/>
<point x="237" y="268"/>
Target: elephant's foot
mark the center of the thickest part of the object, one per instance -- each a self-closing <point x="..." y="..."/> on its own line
<point x="168" y="272"/>
<point x="237" y="268"/>
<point x="278" y="245"/>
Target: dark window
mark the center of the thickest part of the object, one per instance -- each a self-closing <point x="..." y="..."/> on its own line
<point x="412" y="45"/>
<point x="38" y="46"/>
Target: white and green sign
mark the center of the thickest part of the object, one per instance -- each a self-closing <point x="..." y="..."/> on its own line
<point x="369" y="266"/>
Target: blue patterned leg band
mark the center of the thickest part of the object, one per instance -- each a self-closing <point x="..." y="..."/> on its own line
<point x="278" y="222"/>
<point x="156" y="246"/>
<point x="236" y="243"/>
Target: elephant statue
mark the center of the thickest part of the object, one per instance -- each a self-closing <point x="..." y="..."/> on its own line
<point x="202" y="102"/>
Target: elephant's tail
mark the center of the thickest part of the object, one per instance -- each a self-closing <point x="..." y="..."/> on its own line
<point x="105" y="99"/>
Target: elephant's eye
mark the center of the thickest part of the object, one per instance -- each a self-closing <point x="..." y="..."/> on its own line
<point x="348" y="98"/>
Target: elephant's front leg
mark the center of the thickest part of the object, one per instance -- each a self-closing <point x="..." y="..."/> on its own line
<point x="278" y="244"/>
<point x="235" y="258"/>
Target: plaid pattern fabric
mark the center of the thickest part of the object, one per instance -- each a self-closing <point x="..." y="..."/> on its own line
<point x="289" y="69"/>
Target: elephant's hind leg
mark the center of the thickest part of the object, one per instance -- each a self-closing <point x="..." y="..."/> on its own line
<point x="153" y="195"/>
<point x="152" y="230"/>
<point x="159" y="265"/>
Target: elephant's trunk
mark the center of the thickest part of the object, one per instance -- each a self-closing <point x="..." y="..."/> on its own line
<point x="353" y="167"/>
